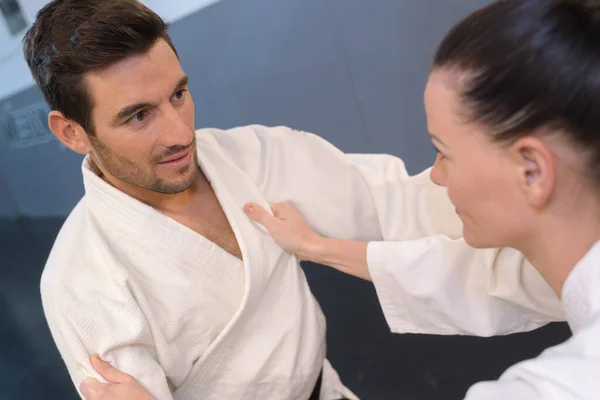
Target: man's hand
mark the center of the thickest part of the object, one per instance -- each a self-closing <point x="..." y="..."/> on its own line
<point x="120" y="386"/>
<point x="287" y="227"/>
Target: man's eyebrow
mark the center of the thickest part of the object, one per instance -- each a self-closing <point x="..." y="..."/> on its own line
<point x="182" y="82"/>
<point x="131" y="109"/>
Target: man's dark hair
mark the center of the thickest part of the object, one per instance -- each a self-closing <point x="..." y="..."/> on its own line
<point x="72" y="37"/>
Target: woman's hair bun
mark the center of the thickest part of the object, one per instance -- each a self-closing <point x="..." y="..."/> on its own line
<point x="590" y="8"/>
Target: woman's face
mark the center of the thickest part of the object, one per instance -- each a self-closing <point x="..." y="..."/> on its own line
<point x="481" y="176"/>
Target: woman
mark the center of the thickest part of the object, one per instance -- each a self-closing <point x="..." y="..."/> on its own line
<point x="513" y="107"/>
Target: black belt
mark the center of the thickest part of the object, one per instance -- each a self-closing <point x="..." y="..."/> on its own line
<point x="316" y="394"/>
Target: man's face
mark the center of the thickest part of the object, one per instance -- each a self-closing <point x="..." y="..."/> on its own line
<point x="143" y="117"/>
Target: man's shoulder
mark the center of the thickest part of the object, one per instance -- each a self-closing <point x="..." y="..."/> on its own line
<point x="251" y="140"/>
<point x="240" y="133"/>
<point x="71" y="257"/>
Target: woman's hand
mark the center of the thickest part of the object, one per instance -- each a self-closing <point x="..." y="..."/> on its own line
<point x="292" y="233"/>
<point x="287" y="227"/>
<point x="120" y="386"/>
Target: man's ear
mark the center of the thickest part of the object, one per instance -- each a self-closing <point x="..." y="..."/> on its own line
<point x="70" y="133"/>
<point x="536" y="169"/>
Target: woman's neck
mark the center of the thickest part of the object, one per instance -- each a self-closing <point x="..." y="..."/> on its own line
<point x="558" y="243"/>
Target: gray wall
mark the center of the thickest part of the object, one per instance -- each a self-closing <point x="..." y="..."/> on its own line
<point x="6" y="207"/>
<point x="352" y="71"/>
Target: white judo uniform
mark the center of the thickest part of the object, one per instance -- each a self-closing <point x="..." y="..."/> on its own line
<point x="190" y="321"/>
<point x="177" y="312"/>
<point x="440" y="285"/>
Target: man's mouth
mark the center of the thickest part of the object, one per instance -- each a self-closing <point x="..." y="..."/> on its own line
<point x="179" y="158"/>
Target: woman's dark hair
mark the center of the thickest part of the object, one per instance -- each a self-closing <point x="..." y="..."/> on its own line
<point x="72" y="37"/>
<point x="530" y="64"/>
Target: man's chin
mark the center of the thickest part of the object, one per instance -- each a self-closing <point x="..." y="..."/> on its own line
<point x="177" y="186"/>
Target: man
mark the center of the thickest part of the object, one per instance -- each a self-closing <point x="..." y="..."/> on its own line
<point x="158" y="269"/>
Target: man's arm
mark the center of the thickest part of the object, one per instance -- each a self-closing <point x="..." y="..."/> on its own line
<point x="344" y="196"/>
<point x="373" y="198"/>
<point x="87" y="316"/>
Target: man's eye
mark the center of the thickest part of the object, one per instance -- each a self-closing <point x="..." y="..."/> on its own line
<point x="140" y="116"/>
<point x="180" y="94"/>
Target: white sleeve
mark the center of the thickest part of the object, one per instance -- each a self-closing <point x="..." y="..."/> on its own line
<point x="344" y="196"/>
<point x="568" y="371"/>
<point x="443" y="286"/>
<point x="85" y="319"/>
<point x="513" y="390"/>
<point x="437" y="284"/>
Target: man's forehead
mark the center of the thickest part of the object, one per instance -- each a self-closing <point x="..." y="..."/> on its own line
<point x="142" y="78"/>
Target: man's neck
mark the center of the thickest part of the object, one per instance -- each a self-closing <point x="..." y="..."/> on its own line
<point x="175" y="204"/>
<point x="171" y="204"/>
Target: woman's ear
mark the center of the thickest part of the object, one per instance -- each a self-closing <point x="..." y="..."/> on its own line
<point x="536" y="169"/>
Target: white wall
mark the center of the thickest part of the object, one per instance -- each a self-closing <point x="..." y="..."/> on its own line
<point x="14" y="74"/>
<point x="13" y="69"/>
<point x="173" y="10"/>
